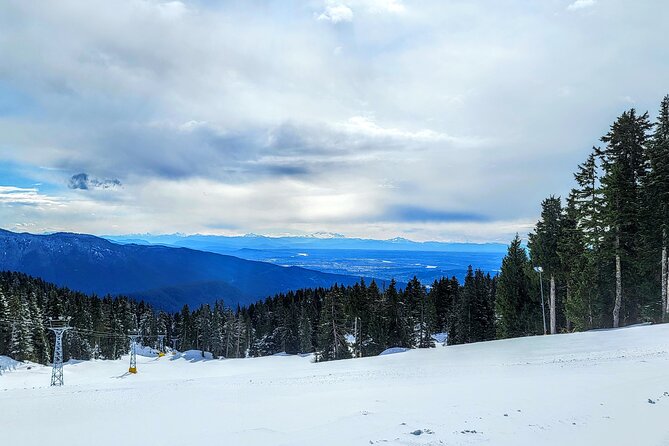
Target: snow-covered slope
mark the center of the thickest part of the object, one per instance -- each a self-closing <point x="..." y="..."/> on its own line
<point x="604" y="387"/>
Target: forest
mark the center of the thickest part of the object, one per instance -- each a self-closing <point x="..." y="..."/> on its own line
<point x="599" y="255"/>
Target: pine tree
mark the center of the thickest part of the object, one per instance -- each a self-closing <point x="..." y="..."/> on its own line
<point x="21" y="343"/>
<point x="624" y="163"/>
<point x="656" y="196"/>
<point x="574" y="258"/>
<point x="588" y="201"/>
<point x="378" y="324"/>
<point x="4" y="324"/>
<point x="424" y="313"/>
<point x="39" y="335"/>
<point x="589" y="303"/>
<point x="304" y="332"/>
<point x="518" y="313"/>
<point x="400" y="323"/>
<point x="444" y="292"/>
<point x="332" y="332"/>
<point x="543" y="246"/>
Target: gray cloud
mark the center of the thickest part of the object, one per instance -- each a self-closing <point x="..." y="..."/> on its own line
<point x="83" y="182"/>
<point x="410" y="213"/>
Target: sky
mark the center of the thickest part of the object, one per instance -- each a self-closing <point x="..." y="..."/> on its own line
<point x="428" y="119"/>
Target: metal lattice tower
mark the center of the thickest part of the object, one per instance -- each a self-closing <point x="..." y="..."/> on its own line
<point x="59" y="327"/>
<point x="133" y="353"/>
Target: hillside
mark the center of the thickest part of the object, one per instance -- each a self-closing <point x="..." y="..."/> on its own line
<point x="164" y="276"/>
<point x="602" y="387"/>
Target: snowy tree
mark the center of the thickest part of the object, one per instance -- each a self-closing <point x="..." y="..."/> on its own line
<point x="332" y="332"/>
<point x="21" y="343"/>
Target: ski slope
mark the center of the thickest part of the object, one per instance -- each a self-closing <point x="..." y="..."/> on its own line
<point x="601" y="387"/>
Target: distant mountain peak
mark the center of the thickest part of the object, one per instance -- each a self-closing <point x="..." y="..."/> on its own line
<point x="400" y="240"/>
<point x="253" y="235"/>
<point x="325" y="235"/>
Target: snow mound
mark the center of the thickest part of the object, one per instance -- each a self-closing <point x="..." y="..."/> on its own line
<point x="440" y="337"/>
<point x="393" y="350"/>
<point x="194" y="355"/>
<point x="149" y="352"/>
<point x="7" y="364"/>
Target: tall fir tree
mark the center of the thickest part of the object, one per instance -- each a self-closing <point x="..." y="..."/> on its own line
<point x="332" y="332"/>
<point x="656" y="196"/>
<point x="424" y="313"/>
<point x="518" y="310"/>
<point x="625" y="165"/>
<point x="400" y="322"/>
<point x="543" y="245"/>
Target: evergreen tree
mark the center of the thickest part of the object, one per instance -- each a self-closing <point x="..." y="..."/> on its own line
<point x="39" y="335"/>
<point x="624" y="163"/>
<point x="518" y="313"/>
<point x="543" y="245"/>
<point x="400" y="323"/>
<point x="575" y="269"/>
<point x="304" y="332"/>
<point x="424" y="313"/>
<point x="588" y="201"/>
<point x="378" y="323"/>
<point x="4" y="323"/>
<point x="444" y="293"/>
<point x="656" y="196"/>
<point x="332" y="332"/>
<point x="21" y="343"/>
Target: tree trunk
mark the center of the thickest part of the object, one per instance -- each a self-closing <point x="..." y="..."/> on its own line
<point x="665" y="279"/>
<point x="552" y="304"/>
<point x="239" y="335"/>
<point x="619" y="288"/>
<point x="356" y="336"/>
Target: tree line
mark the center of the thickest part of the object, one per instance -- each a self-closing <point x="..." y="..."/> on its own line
<point x="602" y="252"/>
<point x="603" y="249"/>
<point x="334" y="323"/>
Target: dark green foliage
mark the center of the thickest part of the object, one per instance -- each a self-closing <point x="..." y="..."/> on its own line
<point x="424" y="313"/>
<point x="474" y="314"/>
<point x="624" y="160"/>
<point x="517" y="304"/>
<point x="332" y="331"/>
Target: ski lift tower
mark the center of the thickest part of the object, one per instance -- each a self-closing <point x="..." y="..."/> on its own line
<point x="133" y="352"/>
<point x="59" y="327"/>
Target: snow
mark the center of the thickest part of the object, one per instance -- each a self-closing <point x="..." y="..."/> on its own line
<point x="146" y="351"/>
<point x="605" y="387"/>
<point x="393" y="350"/>
<point x="193" y="355"/>
<point x="7" y="364"/>
<point x="440" y="338"/>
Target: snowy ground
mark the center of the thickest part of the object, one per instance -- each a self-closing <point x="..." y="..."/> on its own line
<point x="605" y="387"/>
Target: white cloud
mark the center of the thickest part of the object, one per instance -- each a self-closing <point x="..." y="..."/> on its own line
<point x="365" y="126"/>
<point x="10" y="195"/>
<point x="336" y="13"/>
<point x="581" y="4"/>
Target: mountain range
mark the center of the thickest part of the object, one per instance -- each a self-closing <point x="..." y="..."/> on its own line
<point x="166" y="277"/>
<point x="319" y="240"/>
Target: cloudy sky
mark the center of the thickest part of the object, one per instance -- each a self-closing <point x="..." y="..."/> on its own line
<point x="428" y="119"/>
